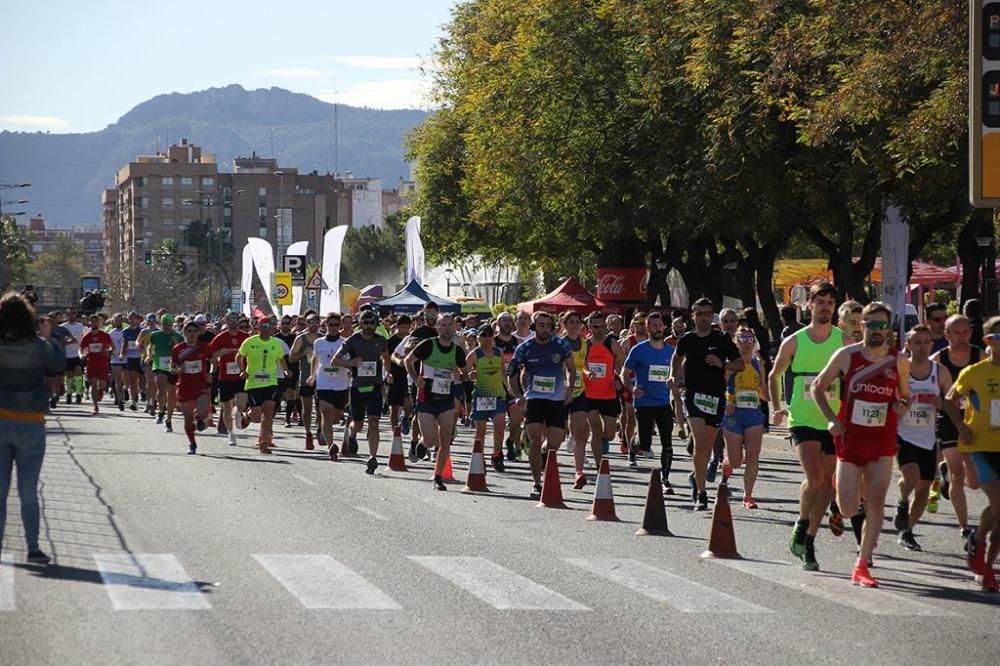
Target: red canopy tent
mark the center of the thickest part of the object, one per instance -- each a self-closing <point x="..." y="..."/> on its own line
<point x="570" y="295"/>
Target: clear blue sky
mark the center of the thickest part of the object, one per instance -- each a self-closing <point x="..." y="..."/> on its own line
<point x="77" y="66"/>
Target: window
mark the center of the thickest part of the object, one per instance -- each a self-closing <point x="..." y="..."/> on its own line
<point x="262" y="192"/>
<point x="207" y="181"/>
<point x="263" y="230"/>
<point x="187" y="203"/>
<point x="140" y="181"/>
<point x="168" y="202"/>
<point x="145" y="202"/>
<point x="227" y="192"/>
<point x="168" y="181"/>
<point x="187" y="182"/>
<point x="168" y="222"/>
<point x="227" y="211"/>
<point x="262" y="214"/>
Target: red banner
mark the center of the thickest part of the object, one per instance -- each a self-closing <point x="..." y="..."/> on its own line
<point x="622" y="285"/>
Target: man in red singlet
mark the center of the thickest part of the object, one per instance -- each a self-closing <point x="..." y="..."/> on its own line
<point x="191" y="361"/>
<point x="95" y="348"/>
<point x="876" y="381"/>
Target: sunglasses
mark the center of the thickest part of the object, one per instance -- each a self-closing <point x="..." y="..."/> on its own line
<point x="312" y="320"/>
<point x="745" y="338"/>
<point x="995" y="337"/>
<point x="265" y="325"/>
<point x="876" y="325"/>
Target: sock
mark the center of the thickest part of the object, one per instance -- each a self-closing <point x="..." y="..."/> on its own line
<point x="810" y="541"/>
<point x="78" y="382"/>
<point x="189" y="431"/>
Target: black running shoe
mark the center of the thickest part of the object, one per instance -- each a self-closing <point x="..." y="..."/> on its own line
<point x="511" y="452"/>
<point x="79" y="398"/>
<point x="901" y="521"/>
<point x="38" y="557"/>
<point x="192" y="449"/>
<point x="168" y="426"/>
<point x="694" y="487"/>
<point x="690" y="446"/>
<point x="199" y="424"/>
<point x="421" y="451"/>
<point x="69" y="399"/>
<point x="334" y="451"/>
<point x="413" y="453"/>
<point x="945" y="481"/>
<point x="907" y="541"/>
<point x="53" y="401"/>
<point x="439" y="484"/>
<point x="702" y="504"/>
<point x="372" y="465"/>
<point x="497" y="461"/>
<point x="536" y="492"/>
<point x="121" y="406"/>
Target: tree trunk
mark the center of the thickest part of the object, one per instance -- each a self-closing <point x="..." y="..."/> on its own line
<point x="968" y="256"/>
<point x="765" y="259"/>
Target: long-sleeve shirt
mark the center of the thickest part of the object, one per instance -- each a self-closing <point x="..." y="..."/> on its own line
<point x="23" y="393"/>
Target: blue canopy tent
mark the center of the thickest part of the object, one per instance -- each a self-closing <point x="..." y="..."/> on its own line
<point x="412" y="297"/>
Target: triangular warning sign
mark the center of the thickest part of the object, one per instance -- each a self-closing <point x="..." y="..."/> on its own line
<point x="316" y="281"/>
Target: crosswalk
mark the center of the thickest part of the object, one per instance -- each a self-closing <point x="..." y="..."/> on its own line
<point x="147" y="581"/>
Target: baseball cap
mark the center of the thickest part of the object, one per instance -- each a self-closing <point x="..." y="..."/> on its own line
<point x="200" y="319"/>
<point x="150" y="316"/>
<point x="167" y="319"/>
<point x="263" y="320"/>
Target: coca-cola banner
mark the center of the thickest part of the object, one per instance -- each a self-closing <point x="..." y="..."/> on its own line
<point x="622" y="285"/>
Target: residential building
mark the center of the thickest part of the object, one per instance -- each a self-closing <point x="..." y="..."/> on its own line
<point x="90" y="237"/>
<point x="366" y="200"/>
<point x="393" y="200"/>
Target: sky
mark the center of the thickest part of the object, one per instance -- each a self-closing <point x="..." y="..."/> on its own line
<point x="71" y="66"/>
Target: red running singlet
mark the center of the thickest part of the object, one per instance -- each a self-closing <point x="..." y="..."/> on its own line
<point x="866" y="412"/>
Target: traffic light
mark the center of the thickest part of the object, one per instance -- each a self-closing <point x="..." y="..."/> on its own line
<point x="984" y="104"/>
<point x="148" y="259"/>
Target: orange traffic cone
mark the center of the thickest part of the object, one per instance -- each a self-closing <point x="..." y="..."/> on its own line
<point x="722" y="539"/>
<point x="551" y="489"/>
<point x="449" y="475"/>
<point x="397" y="462"/>
<point x="604" y="498"/>
<point x="654" y="519"/>
<point x="476" y="481"/>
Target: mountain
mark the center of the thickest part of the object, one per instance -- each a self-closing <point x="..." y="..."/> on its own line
<point x="68" y="172"/>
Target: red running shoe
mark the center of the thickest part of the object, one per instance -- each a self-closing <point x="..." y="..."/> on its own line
<point x="990" y="581"/>
<point x="976" y="557"/>
<point x="749" y="503"/>
<point x="862" y="577"/>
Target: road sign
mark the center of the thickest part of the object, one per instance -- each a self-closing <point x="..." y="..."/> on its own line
<point x="296" y="265"/>
<point x="236" y="300"/>
<point x="316" y="281"/>
<point x="312" y="298"/>
<point x="283" y="288"/>
<point x="984" y="104"/>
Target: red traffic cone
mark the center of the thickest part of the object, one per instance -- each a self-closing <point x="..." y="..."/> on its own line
<point x="448" y="476"/>
<point x="551" y="489"/>
<point x="476" y="481"/>
<point x="604" y="499"/>
<point x="654" y="519"/>
<point x="397" y="462"/>
<point x="722" y="539"/>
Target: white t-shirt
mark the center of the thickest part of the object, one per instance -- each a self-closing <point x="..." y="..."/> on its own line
<point x="118" y="343"/>
<point x="76" y="330"/>
<point x="328" y="377"/>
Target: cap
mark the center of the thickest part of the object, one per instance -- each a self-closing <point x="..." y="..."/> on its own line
<point x="263" y="320"/>
<point x="200" y="319"/>
<point x="485" y="330"/>
<point x="167" y="319"/>
<point x="150" y="316"/>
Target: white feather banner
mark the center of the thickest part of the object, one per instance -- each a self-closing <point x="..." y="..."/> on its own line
<point x="333" y="249"/>
<point x="414" y="251"/>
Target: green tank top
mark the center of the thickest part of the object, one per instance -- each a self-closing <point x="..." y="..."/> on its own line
<point x="163" y="344"/>
<point x="809" y="360"/>
<point x="489" y="380"/>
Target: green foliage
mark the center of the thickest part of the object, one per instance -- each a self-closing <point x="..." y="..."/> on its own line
<point x="60" y="264"/>
<point x="14" y="258"/>
<point x="941" y="296"/>
<point x="375" y="254"/>
<point x="497" y="308"/>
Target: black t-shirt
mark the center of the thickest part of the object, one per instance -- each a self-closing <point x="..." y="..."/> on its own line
<point x="398" y="372"/>
<point x="424" y="332"/>
<point x="288" y="339"/>
<point x="206" y="337"/>
<point x="698" y="375"/>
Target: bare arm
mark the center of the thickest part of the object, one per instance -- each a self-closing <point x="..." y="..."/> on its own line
<point x="781" y="364"/>
<point x="839" y="364"/>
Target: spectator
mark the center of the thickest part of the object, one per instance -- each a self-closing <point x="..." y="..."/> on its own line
<point x="25" y="355"/>
<point x="973" y="309"/>
<point x="790" y="320"/>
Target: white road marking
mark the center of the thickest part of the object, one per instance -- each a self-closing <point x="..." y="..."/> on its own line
<point x="319" y="581"/>
<point x="7" y="602"/>
<point x="368" y="512"/>
<point x="308" y="482"/>
<point x="499" y="587"/>
<point x="148" y="582"/>
<point x="837" y="589"/>
<point x="675" y="591"/>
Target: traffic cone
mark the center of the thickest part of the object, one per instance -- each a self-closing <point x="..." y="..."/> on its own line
<point x="604" y="499"/>
<point x="722" y="539"/>
<point x="654" y="519"/>
<point x="476" y="481"/>
<point x="449" y="475"/>
<point x="397" y="462"/>
<point x="551" y="489"/>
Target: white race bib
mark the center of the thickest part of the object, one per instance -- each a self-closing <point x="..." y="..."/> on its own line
<point x="441" y="382"/>
<point x="807" y="394"/>
<point x="747" y="400"/>
<point x="545" y="385"/>
<point x="262" y="376"/>
<point x="232" y="368"/>
<point x="164" y="361"/>
<point x="192" y="367"/>
<point x="486" y="404"/>
<point x="331" y="371"/>
<point x="367" y="369"/>
<point x="995" y="413"/>
<point x="920" y="415"/>
<point x="708" y="404"/>
<point x="869" y="414"/>
<point x="598" y="370"/>
<point x="659" y="373"/>
<point x="95" y="347"/>
<point x="133" y="344"/>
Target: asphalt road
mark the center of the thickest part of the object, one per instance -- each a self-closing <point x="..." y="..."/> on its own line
<point x="231" y="557"/>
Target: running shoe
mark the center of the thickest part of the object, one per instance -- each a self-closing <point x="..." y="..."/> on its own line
<point x="199" y="424"/>
<point x="536" y="492"/>
<point x="966" y="531"/>
<point x="749" y="503"/>
<point x="232" y="439"/>
<point x="159" y="419"/>
<point x="121" y="406"/>
<point x="79" y="398"/>
<point x="404" y="427"/>
<point x="38" y="557"/>
<point x="667" y="488"/>
<point x="421" y="451"/>
<point x="989" y="582"/>
<point x="413" y="452"/>
<point x="713" y="469"/>
<point x="690" y="445"/>
<point x="976" y="555"/>
<point x="498" y="463"/>
<point x="907" y="541"/>
<point x="133" y="407"/>
<point x="901" y="521"/>
<point x="932" y="499"/>
<point x="836" y="523"/>
<point x="334" y="450"/>
<point x="649" y="453"/>
<point x="632" y="462"/>
<point x="264" y="448"/>
<point x="288" y="423"/>
<point x="702" y="504"/>
<point x="945" y="485"/>
<point x="221" y="428"/>
<point x="192" y="449"/>
<point x="439" y="484"/>
<point x="809" y="562"/>
<point x="797" y="544"/>
<point x="862" y="577"/>
<point x="168" y="426"/>
<point x="371" y="466"/>
<point x="694" y="487"/>
<point x="511" y="453"/>
<point x="581" y="481"/>
<point x="309" y="441"/>
<point x="69" y="399"/>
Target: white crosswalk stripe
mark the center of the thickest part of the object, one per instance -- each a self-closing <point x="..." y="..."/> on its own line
<point x="499" y="587"/>
<point x="675" y="591"/>
<point x="319" y="581"/>
<point x="7" y="601"/>
<point x="836" y="589"/>
<point x="136" y="581"/>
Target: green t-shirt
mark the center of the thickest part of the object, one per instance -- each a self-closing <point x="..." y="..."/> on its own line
<point x="163" y="344"/>
<point x="262" y="361"/>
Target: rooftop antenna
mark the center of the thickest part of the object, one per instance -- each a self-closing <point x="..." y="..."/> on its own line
<point x="336" y="132"/>
<point x="272" y="142"/>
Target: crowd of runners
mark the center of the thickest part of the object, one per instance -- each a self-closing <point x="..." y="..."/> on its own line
<point x="859" y="404"/>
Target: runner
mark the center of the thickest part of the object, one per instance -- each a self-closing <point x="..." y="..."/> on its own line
<point x="60" y="337"/>
<point x="805" y="353"/>
<point x="876" y="381"/>
<point x="626" y="422"/>
<point x="133" y="356"/>
<point x="398" y="397"/>
<point x="936" y="317"/>
<point x="332" y="384"/>
<point x="849" y="320"/>
<point x="544" y="367"/>
<point x="159" y="345"/>
<point x="96" y="347"/>
<point x="261" y="359"/>
<point x="224" y="347"/>
<point x="290" y="384"/>
<point x="929" y="382"/>
<point x="489" y="401"/>
<point x="118" y="362"/>
<point x="366" y="355"/>
<point x="646" y="372"/>
<point x="979" y="438"/>
<point x="191" y="362"/>
<point x="147" y="382"/>
<point x="74" y="367"/>
<point x="440" y="360"/>
<point x="698" y="367"/>
<point x="744" y="426"/>
<point x="302" y="354"/>
<point x="522" y="327"/>
<point x="602" y="383"/>
<point x="579" y="426"/>
<point x="507" y="344"/>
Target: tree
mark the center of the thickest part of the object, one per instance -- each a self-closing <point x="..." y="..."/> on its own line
<point x="58" y="265"/>
<point x="375" y="254"/>
<point x="14" y="256"/>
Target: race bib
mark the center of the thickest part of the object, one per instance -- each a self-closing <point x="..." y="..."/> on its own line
<point x="367" y="369"/>
<point x="807" y="395"/>
<point x="192" y="367"/>
<point x="920" y="415"/>
<point x="546" y="385"/>
<point x="598" y="370"/>
<point x="164" y="361"/>
<point x="747" y="400"/>
<point x="659" y="373"/>
<point x="133" y="344"/>
<point x="578" y="381"/>
<point x="331" y="370"/>
<point x="441" y="382"/>
<point x="995" y="413"/>
<point x="869" y="414"/>
<point x="95" y="347"/>
<point x="262" y="376"/>
<point x="708" y="404"/>
<point x="232" y="368"/>
<point x="486" y="404"/>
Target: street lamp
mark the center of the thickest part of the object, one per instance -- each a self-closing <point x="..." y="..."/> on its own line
<point x="448" y="272"/>
<point x="988" y="273"/>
